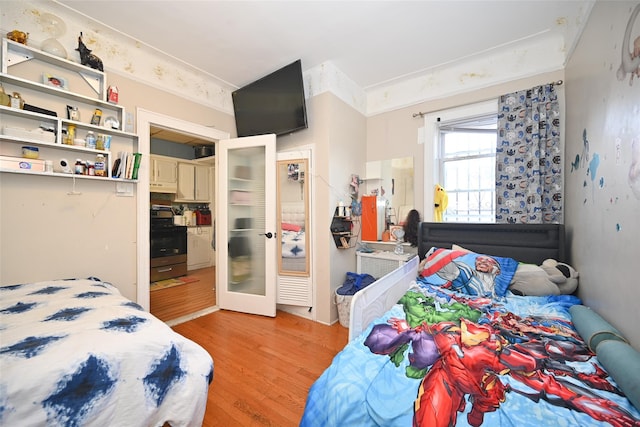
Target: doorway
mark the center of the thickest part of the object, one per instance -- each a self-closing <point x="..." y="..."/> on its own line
<point x="183" y="302"/>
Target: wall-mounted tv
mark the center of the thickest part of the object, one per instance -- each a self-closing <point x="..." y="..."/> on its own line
<point x="273" y="104"/>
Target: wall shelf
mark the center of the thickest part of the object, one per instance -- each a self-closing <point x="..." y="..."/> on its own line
<point x="47" y="128"/>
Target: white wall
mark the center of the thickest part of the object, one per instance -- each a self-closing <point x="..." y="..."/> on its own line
<point x="602" y="209"/>
<point x="337" y="133"/>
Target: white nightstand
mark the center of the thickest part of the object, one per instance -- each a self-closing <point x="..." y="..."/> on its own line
<point x="379" y="263"/>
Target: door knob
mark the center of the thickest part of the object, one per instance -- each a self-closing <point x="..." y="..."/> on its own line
<point x="268" y="234"/>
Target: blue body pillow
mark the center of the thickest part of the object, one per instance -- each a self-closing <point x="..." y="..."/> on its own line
<point x="592" y="328"/>
<point x="622" y="362"/>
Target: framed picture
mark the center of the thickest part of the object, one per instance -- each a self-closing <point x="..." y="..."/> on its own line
<point x="396" y="233"/>
<point x="55" y="81"/>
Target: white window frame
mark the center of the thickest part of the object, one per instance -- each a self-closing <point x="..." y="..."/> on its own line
<point x="431" y="149"/>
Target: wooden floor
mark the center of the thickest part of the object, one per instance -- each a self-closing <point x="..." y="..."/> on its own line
<point x="172" y="303"/>
<point x="263" y="367"/>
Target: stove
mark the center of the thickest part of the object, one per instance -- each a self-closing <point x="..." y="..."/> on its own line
<point x="168" y="245"/>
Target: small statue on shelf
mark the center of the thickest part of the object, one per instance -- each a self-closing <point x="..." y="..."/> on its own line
<point x="88" y="58"/>
<point x="18" y="36"/>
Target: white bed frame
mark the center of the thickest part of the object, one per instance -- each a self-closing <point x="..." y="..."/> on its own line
<point x="377" y="298"/>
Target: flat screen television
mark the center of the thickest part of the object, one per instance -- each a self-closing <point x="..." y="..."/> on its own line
<point x="273" y="104"/>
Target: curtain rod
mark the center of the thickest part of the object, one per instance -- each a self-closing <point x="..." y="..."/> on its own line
<point x="421" y="114"/>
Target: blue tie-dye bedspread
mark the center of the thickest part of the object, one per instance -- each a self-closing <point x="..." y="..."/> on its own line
<point x="77" y="353"/>
<point x="441" y="358"/>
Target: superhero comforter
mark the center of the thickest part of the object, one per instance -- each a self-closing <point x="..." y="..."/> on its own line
<point x="443" y="358"/>
<point x="77" y="353"/>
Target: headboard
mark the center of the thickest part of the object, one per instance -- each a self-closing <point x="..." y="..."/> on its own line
<point x="529" y="243"/>
<point x="293" y="213"/>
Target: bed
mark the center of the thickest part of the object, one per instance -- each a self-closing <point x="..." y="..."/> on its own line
<point x="77" y="353"/>
<point x="294" y="253"/>
<point x="425" y="351"/>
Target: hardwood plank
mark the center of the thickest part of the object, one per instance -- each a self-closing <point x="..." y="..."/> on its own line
<point x="263" y="367"/>
<point x="172" y="303"/>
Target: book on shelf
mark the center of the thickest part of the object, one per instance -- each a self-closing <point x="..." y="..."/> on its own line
<point x="137" y="158"/>
<point x="126" y="165"/>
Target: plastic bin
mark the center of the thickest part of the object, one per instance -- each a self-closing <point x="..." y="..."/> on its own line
<point x="343" y="302"/>
<point x="344" y="294"/>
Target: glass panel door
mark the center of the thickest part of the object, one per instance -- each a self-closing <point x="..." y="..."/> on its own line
<point x="246" y="234"/>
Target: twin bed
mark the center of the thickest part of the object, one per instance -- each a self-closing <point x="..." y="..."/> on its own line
<point x="441" y="341"/>
<point x="77" y="353"/>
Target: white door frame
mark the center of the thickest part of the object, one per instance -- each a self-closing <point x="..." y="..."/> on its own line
<point x="145" y="119"/>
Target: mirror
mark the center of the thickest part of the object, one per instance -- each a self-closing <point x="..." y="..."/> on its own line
<point x="392" y="180"/>
<point x="293" y="217"/>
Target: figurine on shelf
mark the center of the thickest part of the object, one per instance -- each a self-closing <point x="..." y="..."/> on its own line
<point x="88" y="58"/>
<point x="18" y="36"/>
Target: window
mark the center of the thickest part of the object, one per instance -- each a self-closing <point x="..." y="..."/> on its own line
<point x="467" y="153"/>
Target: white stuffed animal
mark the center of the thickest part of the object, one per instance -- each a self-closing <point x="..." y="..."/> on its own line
<point x="563" y="275"/>
<point x="550" y="278"/>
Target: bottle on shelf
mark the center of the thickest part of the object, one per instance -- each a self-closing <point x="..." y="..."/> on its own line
<point x="100" y="167"/>
<point x="90" y="140"/>
<point x="79" y="167"/>
<point x="71" y="134"/>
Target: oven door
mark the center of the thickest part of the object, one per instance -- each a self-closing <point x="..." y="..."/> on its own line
<point x="169" y="241"/>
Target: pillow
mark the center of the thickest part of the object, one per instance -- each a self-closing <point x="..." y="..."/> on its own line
<point x="530" y="279"/>
<point x="468" y="272"/>
<point x="622" y="362"/>
<point x="592" y="328"/>
<point x="290" y="227"/>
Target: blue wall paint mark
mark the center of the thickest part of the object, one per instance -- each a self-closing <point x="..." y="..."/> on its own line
<point x="601" y="184"/>
<point x="19" y="307"/>
<point x="67" y="314"/>
<point x="91" y="294"/>
<point x="30" y="346"/>
<point x="78" y="393"/>
<point x="593" y="166"/>
<point x="618" y="227"/>
<point x="49" y="290"/>
<point x="576" y="163"/>
<point x="123" y="324"/>
<point x="164" y="373"/>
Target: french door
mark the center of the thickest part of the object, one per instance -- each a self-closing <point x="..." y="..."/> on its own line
<point x="246" y="240"/>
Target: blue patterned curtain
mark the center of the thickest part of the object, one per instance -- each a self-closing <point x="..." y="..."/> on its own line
<point x="529" y="157"/>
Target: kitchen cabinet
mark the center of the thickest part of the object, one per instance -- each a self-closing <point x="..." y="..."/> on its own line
<point x="48" y="86"/>
<point x="199" y="249"/>
<point x="164" y="174"/>
<point x="193" y="183"/>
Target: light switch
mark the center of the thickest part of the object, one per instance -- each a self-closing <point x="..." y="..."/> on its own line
<point x="124" y="189"/>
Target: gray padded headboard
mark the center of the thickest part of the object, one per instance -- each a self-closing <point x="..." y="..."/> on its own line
<point x="530" y="243"/>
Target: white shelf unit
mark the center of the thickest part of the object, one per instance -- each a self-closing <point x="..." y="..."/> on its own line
<point x="23" y="68"/>
<point x="380" y="263"/>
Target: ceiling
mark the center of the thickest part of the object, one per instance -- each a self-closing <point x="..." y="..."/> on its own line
<point x="373" y="42"/>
